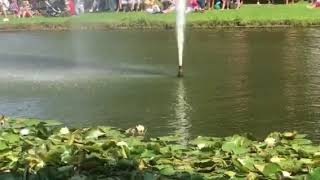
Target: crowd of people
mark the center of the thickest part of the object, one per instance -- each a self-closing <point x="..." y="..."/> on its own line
<point x="29" y="8"/>
<point x="22" y="9"/>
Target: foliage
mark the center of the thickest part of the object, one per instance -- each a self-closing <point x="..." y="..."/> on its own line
<point x="46" y="150"/>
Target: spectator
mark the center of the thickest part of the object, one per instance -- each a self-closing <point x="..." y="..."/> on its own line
<point x="210" y="4"/>
<point x="135" y="5"/>
<point x="225" y="4"/>
<point x="218" y="4"/>
<point x="95" y="6"/>
<point x="25" y="10"/>
<point x="119" y="6"/>
<point x="166" y="4"/>
<point x="110" y="5"/>
<point x="14" y="8"/>
<point x="70" y="7"/>
<point x="235" y="4"/>
<point x="171" y="8"/>
<point x="151" y="6"/>
<point x="4" y="4"/>
<point x="258" y="2"/>
<point x="202" y="4"/>
<point x="193" y="6"/>
<point x="287" y="2"/>
<point x="124" y="5"/>
<point x="79" y="7"/>
<point x="315" y="4"/>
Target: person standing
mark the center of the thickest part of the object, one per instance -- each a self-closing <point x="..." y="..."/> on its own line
<point x="202" y="4"/>
<point x="70" y="7"/>
<point x="4" y="5"/>
<point x="225" y="4"/>
<point x="79" y="7"/>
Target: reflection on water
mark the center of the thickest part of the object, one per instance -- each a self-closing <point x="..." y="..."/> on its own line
<point x="181" y="122"/>
<point x="313" y="70"/>
<point x="236" y="81"/>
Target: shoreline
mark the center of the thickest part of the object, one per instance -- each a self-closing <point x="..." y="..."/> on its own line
<point x="249" y="16"/>
<point x="107" y="27"/>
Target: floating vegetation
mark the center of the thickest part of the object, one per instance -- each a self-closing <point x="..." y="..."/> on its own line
<point x="36" y="149"/>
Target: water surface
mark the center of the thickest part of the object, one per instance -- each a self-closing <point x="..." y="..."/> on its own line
<point x="236" y="81"/>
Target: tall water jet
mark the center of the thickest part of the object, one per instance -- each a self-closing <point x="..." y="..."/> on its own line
<point x="180" y="25"/>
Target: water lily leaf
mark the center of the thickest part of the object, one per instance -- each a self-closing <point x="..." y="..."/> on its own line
<point x="207" y="141"/>
<point x="52" y="123"/>
<point x="126" y="163"/>
<point x="290" y="165"/>
<point x="245" y="164"/>
<point x="314" y="175"/>
<point x="232" y="147"/>
<point x="93" y="134"/>
<point x="167" y="171"/>
<point x="270" y="170"/>
<point x="301" y="141"/>
<point x="11" y="138"/>
<point x="289" y="135"/>
<point x="66" y="156"/>
<point x="31" y="122"/>
<point x="231" y="174"/>
<point x="148" y="154"/>
<point x="150" y="176"/>
<point x="134" y="141"/>
<point x="204" y="163"/>
<point x="306" y="161"/>
<point x="306" y="150"/>
<point x="79" y="177"/>
<point x="252" y="176"/>
<point x="236" y="144"/>
<point x="166" y="151"/>
<point x="112" y="132"/>
<point x="169" y="138"/>
<point x="3" y="145"/>
<point x="301" y="136"/>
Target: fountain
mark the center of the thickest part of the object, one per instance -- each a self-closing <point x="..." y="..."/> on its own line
<point x="180" y="25"/>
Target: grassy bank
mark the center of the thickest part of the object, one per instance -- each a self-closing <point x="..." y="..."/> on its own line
<point x="248" y="16"/>
<point x="46" y="150"/>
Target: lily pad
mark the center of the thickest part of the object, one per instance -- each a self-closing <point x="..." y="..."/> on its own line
<point x="314" y="175"/>
<point x="3" y="145"/>
<point x="11" y="138"/>
<point x="236" y="145"/>
<point x="167" y="171"/>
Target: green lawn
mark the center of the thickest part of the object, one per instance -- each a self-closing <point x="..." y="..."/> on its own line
<point x="248" y="15"/>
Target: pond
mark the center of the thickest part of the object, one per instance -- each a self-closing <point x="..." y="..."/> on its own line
<point x="236" y="81"/>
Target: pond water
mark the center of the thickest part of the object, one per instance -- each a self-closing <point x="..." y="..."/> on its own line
<point x="236" y="81"/>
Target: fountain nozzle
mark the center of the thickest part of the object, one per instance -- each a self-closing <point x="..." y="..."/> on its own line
<point x="180" y="71"/>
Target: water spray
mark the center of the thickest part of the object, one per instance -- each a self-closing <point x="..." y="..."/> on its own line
<point x="180" y="25"/>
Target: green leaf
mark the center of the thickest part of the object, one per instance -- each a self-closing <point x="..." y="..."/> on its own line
<point x="93" y="133"/>
<point x="314" y="175"/>
<point x="31" y="122"/>
<point x="167" y="171"/>
<point x="204" y="163"/>
<point x="11" y="138"/>
<point x="3" y="145"/>
<point x="149" y="176"/>
<point x="170" y="138"/>
<point x="52" y="123"/>
<point x="290" y="165"/>
<point x="236" y="144"/>
<point x="245" y="164"/>
<point x="271" y="169"/>
<point x="231" y="174"/>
